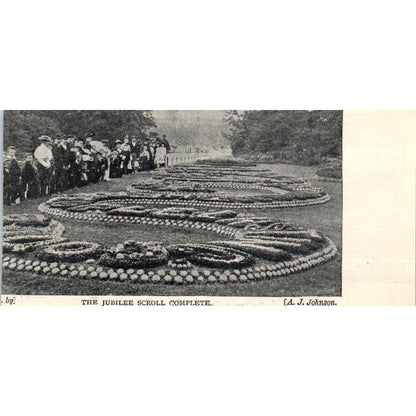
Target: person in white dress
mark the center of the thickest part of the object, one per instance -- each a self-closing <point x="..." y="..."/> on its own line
<point x="160" y="156"/>
<point x="44" y="158"/>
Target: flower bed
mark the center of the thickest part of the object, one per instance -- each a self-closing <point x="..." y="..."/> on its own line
<point x="286" y="251"/>
<point x="225" y="162"/>
<point x="72" y="251"/>
<point x="114" y="202"/>
<point x="252" y="248"/>
<point x="197" y="184"/>
<point x="26" y="220"/>
<point x="172" y="276"/>
<point x="25" y="233"/>
<point x="26" y="238"/>
<point x="211" y="255"/>
<point x="179" y="264"/>
<point x="131" y="211"/>
<point x="258" y="250"/>
<point x="133" y="254"/>
<point x="27" y="246"/>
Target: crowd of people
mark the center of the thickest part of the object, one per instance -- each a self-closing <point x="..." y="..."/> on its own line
<point x="61" y="164"/>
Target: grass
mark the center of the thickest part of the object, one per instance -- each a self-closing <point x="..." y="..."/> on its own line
<point x="322" y="280"/>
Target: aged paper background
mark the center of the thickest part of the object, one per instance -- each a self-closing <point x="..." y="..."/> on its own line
<point x="379" y="207"/>
<point x="379" y="153"/>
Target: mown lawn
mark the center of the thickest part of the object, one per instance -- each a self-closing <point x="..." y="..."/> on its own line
<point x="323" y="280"/>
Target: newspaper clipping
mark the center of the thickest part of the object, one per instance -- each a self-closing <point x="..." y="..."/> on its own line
<point x="202" y="208"/>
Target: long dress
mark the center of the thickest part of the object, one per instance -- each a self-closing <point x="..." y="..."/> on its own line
<point x="160" y="156"/>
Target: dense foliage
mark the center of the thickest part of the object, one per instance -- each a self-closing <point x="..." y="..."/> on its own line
<point x="287" y="136"/>
<point x="22" y="128"/>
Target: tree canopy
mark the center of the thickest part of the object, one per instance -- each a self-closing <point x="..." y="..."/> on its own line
<point x="22" y="128"/>
<point x="293" y="136"/>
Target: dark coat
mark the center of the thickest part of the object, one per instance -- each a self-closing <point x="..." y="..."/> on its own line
<point x="29" y="173"/>
<point x="61" y="156"/>
<point x="14" y="172"/>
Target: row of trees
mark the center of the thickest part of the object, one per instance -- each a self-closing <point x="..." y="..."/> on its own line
<point x="22" y="128"/>
<point x="292" y="136"/>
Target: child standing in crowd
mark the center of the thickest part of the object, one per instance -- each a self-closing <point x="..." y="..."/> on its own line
<point x="144" y="159"/>
<point x="116" y="159"/>
<point x="126" y="152"/>
<point x="102" y="165"/>
<point x="135" y="152"/>
<point x="30" y="182"/>
<point x="105" y="151"/>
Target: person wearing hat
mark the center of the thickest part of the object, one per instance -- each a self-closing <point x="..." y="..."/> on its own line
<point x="70" y="160"/>
<point x="90" y="165"/>
<point x="14" y="176"/>
<point x="135" y="152"/>
<point x="126" y="153"/>
<point x="88" y="145"/>
<point x="116" y="143"/>
<point x="114" y="157"/>
<point x="30" y="182"/>
<point x="117" y="169"/>
<point x="101" y="165"/>
<point x="151" y="148"/>
<point x="75" y="169"/>
<point x="62" y="164"/>
<point x="55" y="170"/>
<point x="86" y="158"/>
<point x="94" y="167"/>
<point x="44" y="159"/>
<point x="105" y="143"/>
<point x="106" y="159"/>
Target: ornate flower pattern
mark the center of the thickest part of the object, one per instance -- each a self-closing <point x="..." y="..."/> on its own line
<point x="252" y="248"/>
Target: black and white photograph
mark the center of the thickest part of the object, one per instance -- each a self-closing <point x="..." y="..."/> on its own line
<point x="208" y="208"/>
<point x="173" y="203"/>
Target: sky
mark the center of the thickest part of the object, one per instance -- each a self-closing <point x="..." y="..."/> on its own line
<point x="193" y="127"/>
